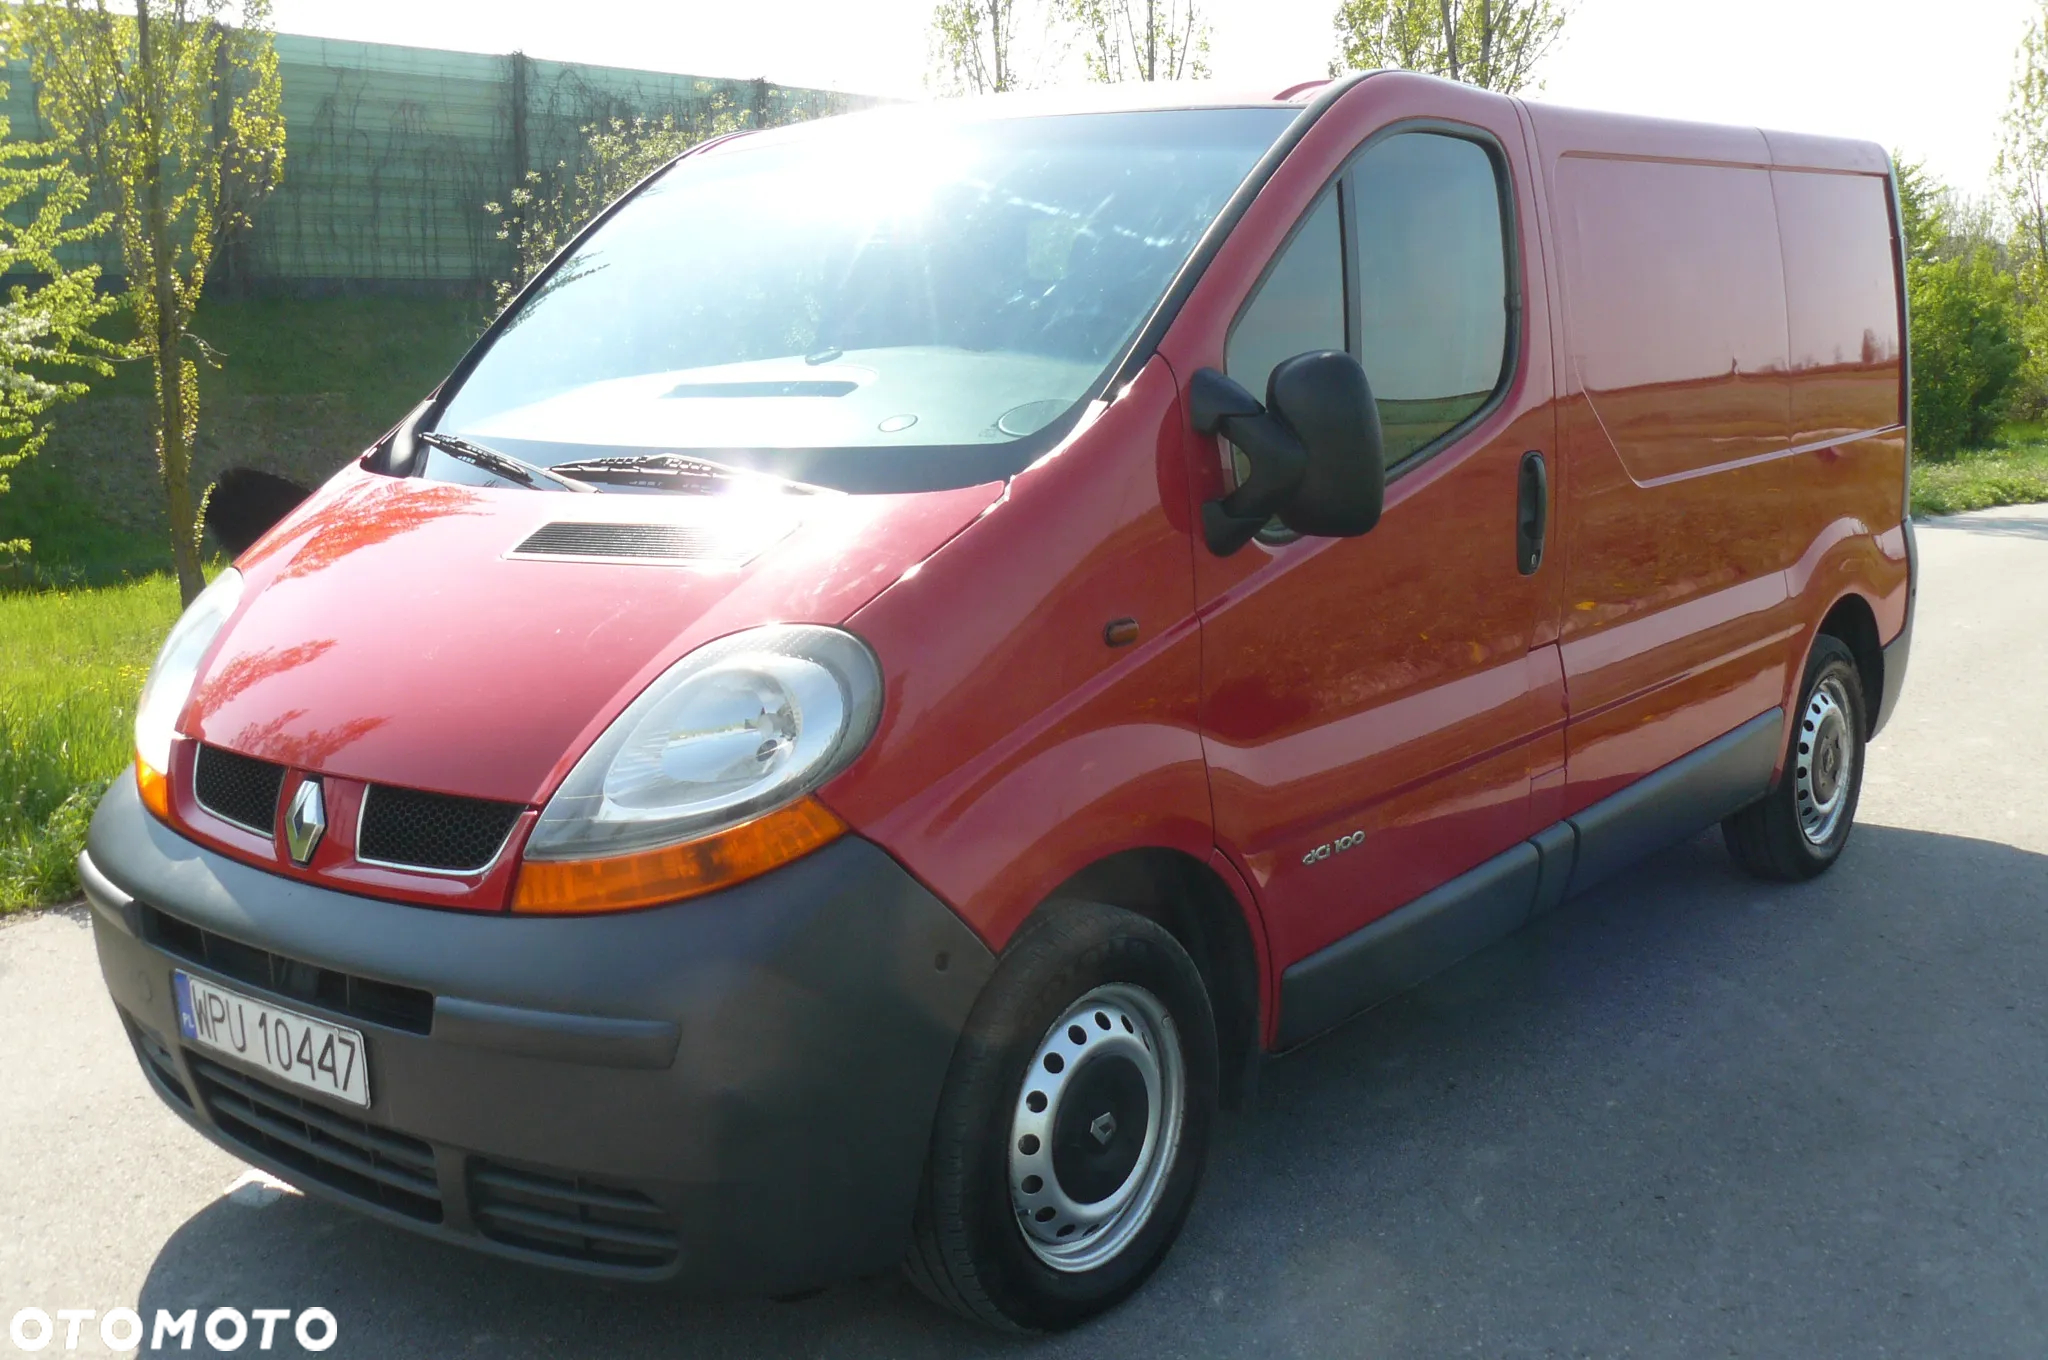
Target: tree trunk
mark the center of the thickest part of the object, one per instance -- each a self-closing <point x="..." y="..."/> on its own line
<point x="174" y="452"/>
<point x="1484" y="77"/>
<point x="998" y="47"/>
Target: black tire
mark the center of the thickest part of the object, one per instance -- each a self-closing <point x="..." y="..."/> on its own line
<point x="1770" y="838"/>
<point x="969" y="1250"/>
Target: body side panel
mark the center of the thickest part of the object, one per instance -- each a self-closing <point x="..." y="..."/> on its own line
<point x="1706" y="540"/>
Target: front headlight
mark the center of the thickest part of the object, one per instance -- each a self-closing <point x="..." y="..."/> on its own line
<point x="177" y="667"/>
<point x="702" y="780"/>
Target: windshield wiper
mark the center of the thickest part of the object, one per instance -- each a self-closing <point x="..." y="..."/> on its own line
<point x="532" y="476"/>
<point x="665" y="469"/>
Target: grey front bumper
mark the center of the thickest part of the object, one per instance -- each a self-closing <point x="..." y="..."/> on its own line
<point x="760" y="1066"/>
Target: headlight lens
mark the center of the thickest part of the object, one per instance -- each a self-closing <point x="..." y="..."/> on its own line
<point x="735" y="729"/>
<point x="177" y="666"/>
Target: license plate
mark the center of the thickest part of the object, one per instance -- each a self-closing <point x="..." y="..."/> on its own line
<point x="308" y="1053"/>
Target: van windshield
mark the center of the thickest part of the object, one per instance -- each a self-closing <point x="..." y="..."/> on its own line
<point x="895" y="301"/>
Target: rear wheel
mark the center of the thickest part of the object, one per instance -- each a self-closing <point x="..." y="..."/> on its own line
<point x="1074" y="1124"/>
<point x="1800" y="827"/>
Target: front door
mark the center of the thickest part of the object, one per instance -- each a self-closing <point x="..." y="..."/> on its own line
<point x="1375" y="707"/>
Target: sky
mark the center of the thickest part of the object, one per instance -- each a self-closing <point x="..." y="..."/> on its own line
<point x="1927" y="79"/>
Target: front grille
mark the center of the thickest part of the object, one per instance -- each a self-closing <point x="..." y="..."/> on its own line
<point x="372" y="1164"/>
<point x="238" y="788"/>
<point x="649" y="542"/>
<point x="379" y="1003"/>
<point x="415" y="830"/>
<point x="572" y="1217"/>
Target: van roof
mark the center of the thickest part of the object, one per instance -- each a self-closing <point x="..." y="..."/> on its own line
<point x="1131" y="96"/>
<point x="1560" y="129"/>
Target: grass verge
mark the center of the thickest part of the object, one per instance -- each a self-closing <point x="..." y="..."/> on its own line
<point x="320" y="378"/>
<point x="2015" y="474"/>
<point x="71" y="666"/>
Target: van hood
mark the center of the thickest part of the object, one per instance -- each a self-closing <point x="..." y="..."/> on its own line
<point x="474" y="640"/>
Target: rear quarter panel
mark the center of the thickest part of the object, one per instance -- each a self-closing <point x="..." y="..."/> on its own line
<point x="1734" y="458"/>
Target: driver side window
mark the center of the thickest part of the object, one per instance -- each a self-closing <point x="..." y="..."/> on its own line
<point x="1299" y="305"/>
<point x="1428" y="268"/>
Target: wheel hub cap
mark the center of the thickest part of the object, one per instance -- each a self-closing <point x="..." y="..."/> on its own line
<point x="1822" y="761"/>
<point x="1097" y="1126"/>
<point x="1092" y="1156"/>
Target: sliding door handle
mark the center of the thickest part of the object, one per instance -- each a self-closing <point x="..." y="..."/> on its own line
<point x="1532" y="514"/>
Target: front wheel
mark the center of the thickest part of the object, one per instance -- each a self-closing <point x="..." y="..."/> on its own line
<point x="1799" y="828"/>
<point x="1074" y="1123"/>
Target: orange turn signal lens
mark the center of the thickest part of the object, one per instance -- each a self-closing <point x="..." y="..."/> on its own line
<point x="155" y="787"/>
<point x="651" y="878"/>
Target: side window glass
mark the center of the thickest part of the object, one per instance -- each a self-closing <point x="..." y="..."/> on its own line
<point x="1430" y="268"/>
<point x="1299" y="306"/>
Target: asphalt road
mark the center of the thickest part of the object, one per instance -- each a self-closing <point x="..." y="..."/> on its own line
<point x="1688" y="1115"/>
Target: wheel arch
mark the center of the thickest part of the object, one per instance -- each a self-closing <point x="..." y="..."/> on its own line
<point x="1852" y="621"/>
<point x="1192" y="902"/>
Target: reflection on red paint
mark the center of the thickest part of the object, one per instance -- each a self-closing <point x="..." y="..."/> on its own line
<point x="308" y="750"/>
<point x="232" y="678"/>
<point x="374" y="511"/>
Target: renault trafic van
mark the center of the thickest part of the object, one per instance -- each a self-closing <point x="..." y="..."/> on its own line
<point x="928" y="643"/>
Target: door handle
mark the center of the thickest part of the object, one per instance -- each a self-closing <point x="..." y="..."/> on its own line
<point x="1532" y="513"/>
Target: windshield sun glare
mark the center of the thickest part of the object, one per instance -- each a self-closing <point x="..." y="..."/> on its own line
<point x="870" y="303"/>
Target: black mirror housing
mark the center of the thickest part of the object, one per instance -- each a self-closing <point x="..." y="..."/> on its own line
<point x="1325" y="398"/>
<point x="1314" y="450"/>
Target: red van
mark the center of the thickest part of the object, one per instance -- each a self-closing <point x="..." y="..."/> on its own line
<point x="929" y="643"/>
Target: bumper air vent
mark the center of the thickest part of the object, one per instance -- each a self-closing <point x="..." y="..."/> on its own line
<point x="571" y="1217"/>
<point x="361" y="1160"/>
<point x="238" y="788"/>
<point x="158" y="1060"/>
<point x="378" y="1003"/>
<point x="654" y="543"/>
<point x="408" y="829"/>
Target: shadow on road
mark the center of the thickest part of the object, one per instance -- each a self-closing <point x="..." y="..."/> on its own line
<point x="1688" y="1113"/>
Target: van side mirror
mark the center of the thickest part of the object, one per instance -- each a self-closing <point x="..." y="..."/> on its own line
<point x="1314" y="450"/>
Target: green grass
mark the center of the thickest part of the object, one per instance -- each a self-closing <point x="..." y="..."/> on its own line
<point x="2014" y="473"/>
<point x="71" y="666"/>
<point x="383" y="353"/>
<point x="88" y="610"/>
<point x="74" y="545"/>
<point x="376" y="357"/>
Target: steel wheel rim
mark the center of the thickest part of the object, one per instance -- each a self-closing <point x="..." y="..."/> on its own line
<point x="1823" y="762"/>
<point x="1117" y="1024"/>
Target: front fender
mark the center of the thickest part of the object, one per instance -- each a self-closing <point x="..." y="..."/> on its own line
<point x="1018" y="744"/>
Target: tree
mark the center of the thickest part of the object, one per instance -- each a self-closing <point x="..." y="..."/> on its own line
<point x="545" y="212"/>
<point x="1967" y="351"/>
<point x="1142" y="39"/>
<point x="1921" y="207"/>
<point x="2023" y="180"/>
<point x="2023" y="140"/>
<point x="46" y="335"/>
<point x="1494" y="44"/>
<point x="1974" y="341"/>
<point x="173" y="108"/>
<point x="1941" y="224"/>
<point x="975" y="48"/>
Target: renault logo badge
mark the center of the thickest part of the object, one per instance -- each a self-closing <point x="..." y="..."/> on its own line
<point x="1103" y="1127"/>
<point x="305" y="822"/>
